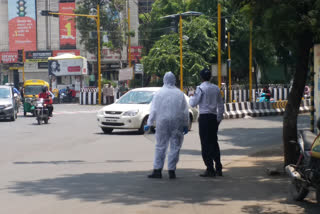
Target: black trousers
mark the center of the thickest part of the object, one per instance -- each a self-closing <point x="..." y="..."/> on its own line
<point x="208" y="128"/>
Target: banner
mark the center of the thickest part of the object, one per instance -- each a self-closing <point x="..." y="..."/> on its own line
<point x="107" y="55"/>
<point x="22" y="25"/>
<point x="38" y="56"/>
<point x="67" y="67"/>
<point x="136" y="52"/>
<point x="67" y="29"/>
<point x="60" y="52"/>
<point x="9" y="57"/>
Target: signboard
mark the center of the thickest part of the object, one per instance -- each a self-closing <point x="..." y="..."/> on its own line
<point x="317" y="79"/>
<point x="61" y="52"/>
<point x="136" y="53"/>
<point x="9" y="57"/>
<point x="107" y="55"/>
<point x="214" y="70"/>
<point x="67" y="67"/>
<point x="22" y="25"/>
<point x="38" y="56"/>
<point x="125" y="74"/>
<point x="138" y="69"/>
<point x="67" y="30"/>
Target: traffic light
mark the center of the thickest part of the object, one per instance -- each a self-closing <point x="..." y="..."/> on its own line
<point x="224" y="33"/>
<point x="21" y="55"/>
<point x="21" y="8"/>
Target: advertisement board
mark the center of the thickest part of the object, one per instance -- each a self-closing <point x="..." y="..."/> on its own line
<point x="67" y="30"/>
<point x="22" y="25"/>
<point x="136" y="53"/>
<point x="38" y="56"/>
<point x="9" y="57"/>
<point x="67" y="67"/>
<point x="107" y="55"/>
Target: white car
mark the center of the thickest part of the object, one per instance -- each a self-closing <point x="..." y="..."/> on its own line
<point x="131" y="111"/>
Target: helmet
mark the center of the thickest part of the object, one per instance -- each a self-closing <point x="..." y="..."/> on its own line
<point x="44" y="88"/>
<point x="205" y="74"/>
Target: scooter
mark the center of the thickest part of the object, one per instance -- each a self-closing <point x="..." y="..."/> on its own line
<point x="305" y="174"/>
<point x="263" y="98"/>
<point x="41" y="112"/>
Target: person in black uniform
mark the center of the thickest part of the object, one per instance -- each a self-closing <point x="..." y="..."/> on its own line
<point x="211" y="107"/>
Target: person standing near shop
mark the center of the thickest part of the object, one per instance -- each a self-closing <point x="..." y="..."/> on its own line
<point x="208" y="97"/>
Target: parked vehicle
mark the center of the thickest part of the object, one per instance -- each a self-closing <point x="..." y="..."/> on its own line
<point x="41" y="112"/>
<point x="305" y="174"/>
<point x="8" y="103"/>
<point x="131" y="111"/>
<point x="32" y="88"/>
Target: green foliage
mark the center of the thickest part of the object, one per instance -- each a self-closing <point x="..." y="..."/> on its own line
<point x="110" y="24"/>
<point x="198" y="51"/>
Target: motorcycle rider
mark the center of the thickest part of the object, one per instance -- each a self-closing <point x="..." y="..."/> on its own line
<point x="47" y="96"/>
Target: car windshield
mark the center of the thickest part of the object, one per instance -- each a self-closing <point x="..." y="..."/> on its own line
<point x="136" y="97"/>
<point x="33" y="89"/>
<point x="4" y="93"/>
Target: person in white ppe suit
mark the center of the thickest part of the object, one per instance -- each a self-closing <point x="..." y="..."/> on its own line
<point x="169" y="112"/>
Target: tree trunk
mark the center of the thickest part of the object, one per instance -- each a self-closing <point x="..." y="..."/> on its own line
<point x="294" y="100"/>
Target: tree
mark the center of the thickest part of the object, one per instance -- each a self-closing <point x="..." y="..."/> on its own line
<point x="111" y="24"/>
<point x="198" y="51"/>
<point x="293" y="24"/>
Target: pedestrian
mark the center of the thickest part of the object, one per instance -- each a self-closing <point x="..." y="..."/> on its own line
<point x="169" y="111"/>
<point x="211" y="108"/>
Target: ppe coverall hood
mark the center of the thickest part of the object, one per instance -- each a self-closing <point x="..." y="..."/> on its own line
<point x="169" y="111"/>
<point x="169" y="80"/>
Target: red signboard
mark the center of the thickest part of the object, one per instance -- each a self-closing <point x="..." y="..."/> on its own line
<point x="136" y="53"/>
<point x="9" y="57"/>
<point x="60" y="52"/>
<point x="22" y="25"/>
<point x="67" y="30"/>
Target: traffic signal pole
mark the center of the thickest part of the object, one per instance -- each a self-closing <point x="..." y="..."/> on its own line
<point x="219" y="45"/>
<point x="23" y="65"/>
<point x="181" y="61"/>
<point x="250" y="63"/>
<point x="229" y="66"/>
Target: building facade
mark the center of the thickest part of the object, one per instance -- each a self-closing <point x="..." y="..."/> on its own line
<point x="22" y="27"/>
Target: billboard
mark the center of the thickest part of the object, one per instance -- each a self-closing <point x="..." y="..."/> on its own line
<point x="107" y="55"/>
<point x="22" y="25"/>
<point x="9" y="57"/>
<point x="67" y="29"/>
<point x="317" y="79"/>
<point x="38" y="56"/>
<point x="67" y="67"/>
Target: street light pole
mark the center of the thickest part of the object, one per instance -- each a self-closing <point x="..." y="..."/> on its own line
<point x="99" y="53"/>
<point x="250" y="63"/>
<point x="181" y="61"/>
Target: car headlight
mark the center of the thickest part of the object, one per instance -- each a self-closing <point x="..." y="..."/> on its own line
<point x="100" y="112"/>
<point x="131" y="113"/>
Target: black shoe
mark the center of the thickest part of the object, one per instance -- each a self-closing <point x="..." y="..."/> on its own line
<point x="172" y="174"/>
<point x="219" y="173"/>
<point x="155" y="174"/>
<point x="208" y="173"/>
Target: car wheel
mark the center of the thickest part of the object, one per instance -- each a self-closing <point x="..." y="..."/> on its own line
<point x="144" y="122"/>
<point x="190" y="122"/>
<point x="13" y="117"/>
<point x="107" y="130"/>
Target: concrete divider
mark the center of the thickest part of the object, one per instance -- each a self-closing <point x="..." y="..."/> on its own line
<point x="254" y="109"/>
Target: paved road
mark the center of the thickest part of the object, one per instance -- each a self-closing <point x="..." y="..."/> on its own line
<point x="70" y="166"/>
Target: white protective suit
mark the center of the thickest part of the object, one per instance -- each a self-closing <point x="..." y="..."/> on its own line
<point x="169" y="111"/>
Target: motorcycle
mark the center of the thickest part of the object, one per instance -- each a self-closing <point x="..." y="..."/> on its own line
<point x="41" y="111"/>
<point x="305" y="174"/>
<point x="264" y="97"/>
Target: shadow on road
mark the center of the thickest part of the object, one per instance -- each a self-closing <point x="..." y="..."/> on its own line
<point x="242" y="182"/>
